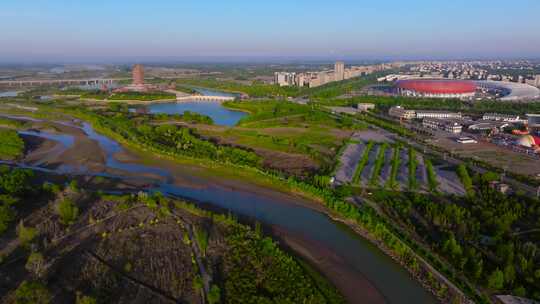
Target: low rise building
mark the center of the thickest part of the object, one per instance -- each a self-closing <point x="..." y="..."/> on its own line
<point x="362" y="107"/>
<point x="466" y="140"/>
<point x="438" y="115"/>
<point x="488" y="125"/>
<point x="500" y="187"/>
<point x="449" y="126"/>
<point x="501" y="117"/>
<point x="401" y="113"/>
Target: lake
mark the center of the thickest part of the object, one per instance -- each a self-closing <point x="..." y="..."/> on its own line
<point x="221" y="115"/>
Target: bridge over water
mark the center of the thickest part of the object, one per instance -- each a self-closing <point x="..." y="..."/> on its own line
<point x="205" y="98"/>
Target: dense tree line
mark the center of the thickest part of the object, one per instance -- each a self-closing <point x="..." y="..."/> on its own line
<point x="377" y="167"/>
<point x="187" y="116"/>
<point x="413" y="164"/>
<point x="396" y="162"/>
<point x="433" y="183"/>
<point x="362" y="163"/>
<point x="487" y="237"/>
<point x="143" y="96"/>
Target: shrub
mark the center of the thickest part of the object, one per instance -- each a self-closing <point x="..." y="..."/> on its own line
<point x="67" y="211"/>
<point x="6" y="216"/>
<point x="82" y="299"/>
<point x="26" y="234"/>
<point x="35" y="264"/>
<point x="202" y="239"/>
<point x="32" y="293"/>
<point x="214" y="295"/>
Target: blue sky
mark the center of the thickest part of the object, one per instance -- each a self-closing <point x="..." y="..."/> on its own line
<point x="71" y="30"/>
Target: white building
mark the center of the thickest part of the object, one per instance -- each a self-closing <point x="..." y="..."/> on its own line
<point x="501" y="117"/>
<point x="438" y="115"/>
<point x="401" y="113"/>
<point x="339" y="71"/>
<point x="284" y="79"/>
<point x="362" y="107"/>
<point x="442" y="124"/>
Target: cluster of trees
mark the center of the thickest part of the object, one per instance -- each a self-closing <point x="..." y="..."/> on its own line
<point x="14" y="185"/>
<point x="433" y="183"/>
<point x="12" y="145"/>
<point x="183" y="141"/>
<point x="377" y="167"/>
<point x="413" y="164"/>
<point x="257" y="271"/>
<point x="465" y="178"/>
<point x="187" y="116"/>
<point x="255" y="89"/>
<point x="68" y="211"/>
<point x="174" y="140"/>
<point x="487" y="237"/>
<point x="396" y="162"/>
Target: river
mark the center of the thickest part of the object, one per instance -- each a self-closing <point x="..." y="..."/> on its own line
<point x="357" y="257"/>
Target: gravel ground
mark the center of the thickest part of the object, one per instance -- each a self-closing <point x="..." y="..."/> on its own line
<point x="387" y="168"/>
<point x="449" y="182"/>
<point x="421" y="174"/>
<point x="349" y="161"/>
<point x="366" y="174"/>
<point x="375" y="135"/>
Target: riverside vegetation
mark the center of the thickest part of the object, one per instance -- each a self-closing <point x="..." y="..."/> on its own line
<point x="486" y="237"/>
<point x="115" y="245"/>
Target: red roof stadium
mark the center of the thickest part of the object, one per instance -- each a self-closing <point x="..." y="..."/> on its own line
<point x="434" y="86"/>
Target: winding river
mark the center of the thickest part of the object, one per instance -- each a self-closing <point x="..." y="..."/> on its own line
<point x="357" y="256"/>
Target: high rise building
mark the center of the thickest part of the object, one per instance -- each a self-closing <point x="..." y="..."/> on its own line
<point x="138" y="75"/>
<point x="339" y="70"/>
<point x="537" y="81"/>
<point x="284" y="79"/>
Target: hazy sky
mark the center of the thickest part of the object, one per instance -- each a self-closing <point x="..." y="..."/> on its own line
<point x="124" y="30"/>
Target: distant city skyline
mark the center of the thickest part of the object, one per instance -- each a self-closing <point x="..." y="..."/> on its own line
<point x="120" y="31"/>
